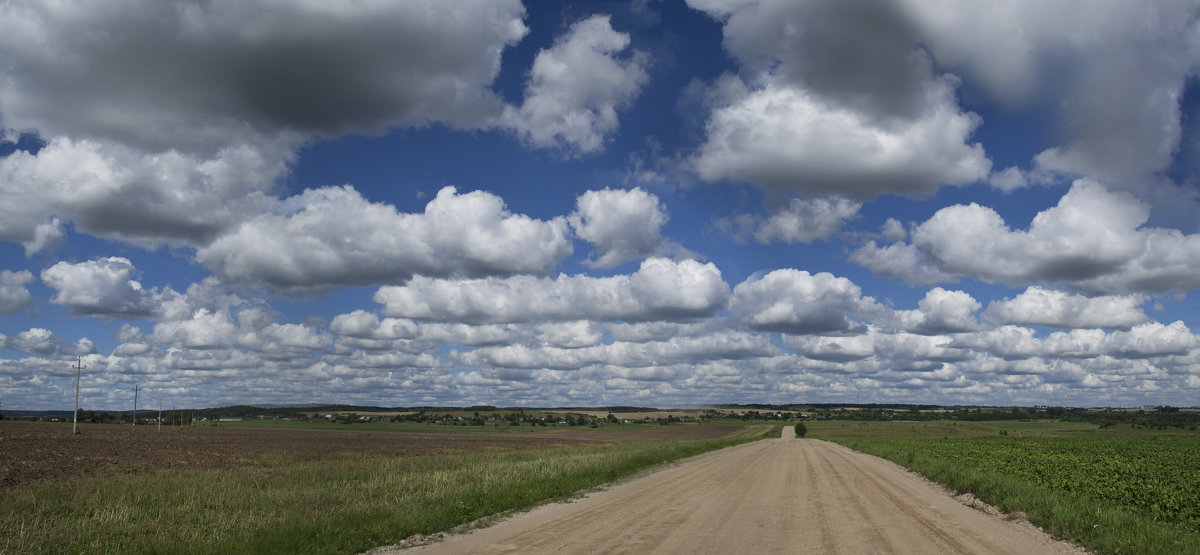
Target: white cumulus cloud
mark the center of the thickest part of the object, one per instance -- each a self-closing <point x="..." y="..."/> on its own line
<point x="828" y="107"/>
<point x="795" y="301"/>
<point x="1037" y="306"/>
<point x="576" y="87"/>
<point x="623" y="225"/>
<point x="334" y="236"/>
<point x="13" y="294"/>
<point x="1093" y="239"/>
<point x="661" y="289"/>
<point x="106" y="287"/>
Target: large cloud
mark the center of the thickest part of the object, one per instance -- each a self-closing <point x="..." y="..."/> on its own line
<point x="660" y="290"/>
<point x="1093" y="239"/>
<point x="1028" y="53"/>
<point x="106" y="287"/>
<point x="831" y="107"/>
<point x="575" y="88"/>
<point x="149" y="73"/>
<point x="114" y="191"/>
<point x="623" y="225"/>
<point x="170" y="122"/>
<point x="333" y="236"/>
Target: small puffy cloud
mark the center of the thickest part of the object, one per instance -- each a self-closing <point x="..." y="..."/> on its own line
<point x="576" y="87"/>
<point x="1009" y="180"/>
<point x="661" y="289"/>
<point x="787" y="139"/>
<point x="41" y="341"/>
<point x="284" y="339"/>
<point x="571" y="335"/>
<point x="623" y="225"/>
<point x="366" y="325"/>
<point x="1037" y="306"/>
<point x="47" y="236"/>
<point x="893" y="230"/>
<point x="900" y="260"/>
<point x="13" y="294"/>
<point x="204" y="330"/>
<point x="1093" y="240"/>
<point x="132" y="350"/>
<point x="801" y="220"/>
<point x="795" y="301"/>
<point x="36" y="341"/>
<point x="106" y="287"/>
<point x="832" y="349"/>
<point x="941" y="312"/>
<point x="333" y="236"/>
<point x="359" y="323"/>
<point x="1153" y="339"/>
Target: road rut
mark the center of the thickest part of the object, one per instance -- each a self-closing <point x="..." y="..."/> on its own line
<point x="773" y="496"/>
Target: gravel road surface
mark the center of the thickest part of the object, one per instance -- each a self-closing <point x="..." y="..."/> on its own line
<point x="784" y="495"/>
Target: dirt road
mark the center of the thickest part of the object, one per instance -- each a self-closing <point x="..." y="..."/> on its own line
<point x="773" y="496"/>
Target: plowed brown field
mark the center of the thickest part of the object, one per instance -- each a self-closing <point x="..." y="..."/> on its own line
<point x="32" y="451"/>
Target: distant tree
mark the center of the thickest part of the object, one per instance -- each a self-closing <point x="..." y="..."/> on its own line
<point x="801" y="429"/>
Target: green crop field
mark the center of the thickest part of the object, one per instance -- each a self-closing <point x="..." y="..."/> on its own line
<point x="1115" y="490"/>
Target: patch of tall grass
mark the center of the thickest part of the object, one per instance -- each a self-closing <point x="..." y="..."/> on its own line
<point x="284" y="505"/>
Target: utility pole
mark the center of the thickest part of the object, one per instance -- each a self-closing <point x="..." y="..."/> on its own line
<point x="75" y="415"/>
<point x="135" y="392"/>
<point x="160" y="415"/>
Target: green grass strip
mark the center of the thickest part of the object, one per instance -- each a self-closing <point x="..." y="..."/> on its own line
<point x="344" y="505"/>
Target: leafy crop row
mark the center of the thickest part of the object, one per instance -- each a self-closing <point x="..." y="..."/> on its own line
<point x="1158" y="476"/>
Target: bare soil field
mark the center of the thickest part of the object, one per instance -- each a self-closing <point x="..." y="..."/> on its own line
<point x="32" y="451"/>
<point x="772" y="496"/>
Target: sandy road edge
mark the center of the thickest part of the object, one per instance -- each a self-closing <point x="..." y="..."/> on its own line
<point x="969" y="500"/>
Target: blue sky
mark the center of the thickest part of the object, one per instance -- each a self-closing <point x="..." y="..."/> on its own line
<point x="658" y="203"/>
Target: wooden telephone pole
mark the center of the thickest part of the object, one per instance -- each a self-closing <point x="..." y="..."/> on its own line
<point x="75" y="415"/>
<point x="135" y="392"/>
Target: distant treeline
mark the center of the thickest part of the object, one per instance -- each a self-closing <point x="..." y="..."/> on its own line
<point x="1160" y="417"/>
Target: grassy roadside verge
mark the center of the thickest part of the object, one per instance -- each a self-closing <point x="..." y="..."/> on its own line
<point x="342" y="505"/>
<point x="1109" y="492"/>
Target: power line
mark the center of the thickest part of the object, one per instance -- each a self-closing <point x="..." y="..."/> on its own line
<point x="75" y="415"/>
